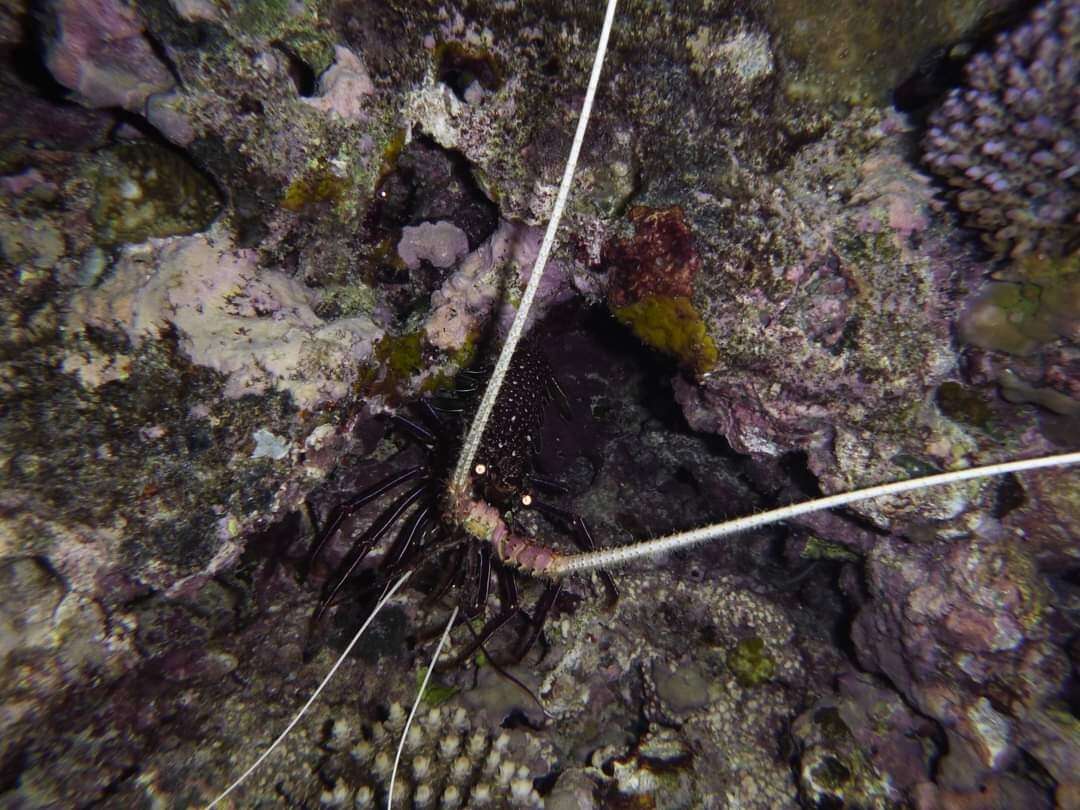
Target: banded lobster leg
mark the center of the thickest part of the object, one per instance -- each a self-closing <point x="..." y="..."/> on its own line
<point x="350" y="507"/>
<point x="372" y="536"/>
<point x="509" y="607"/>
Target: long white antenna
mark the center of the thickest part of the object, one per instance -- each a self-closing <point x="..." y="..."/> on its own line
<point x="487" y="403"/>
<point x="416" y="705"/>
<point x="606" y="558"/>
<point x="337" y="664"/>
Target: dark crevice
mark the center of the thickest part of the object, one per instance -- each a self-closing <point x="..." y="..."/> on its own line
<point x="795" y="464"/>
<point x="159" y="50"/>
<point x="29" y="59"/>
<point x="1010" y="495"/>
<point x="12" y="767"/>
<point x="303" y="76"/>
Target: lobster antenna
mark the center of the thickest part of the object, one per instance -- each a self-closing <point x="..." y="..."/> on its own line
<point x="416" y="705"/>
<point x="337" y="664"/>
<point x="463" y="470"/>
<point x="605" y="558"/>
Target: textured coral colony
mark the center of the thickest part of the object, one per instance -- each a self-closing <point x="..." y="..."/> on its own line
<point x="809" y="247"/>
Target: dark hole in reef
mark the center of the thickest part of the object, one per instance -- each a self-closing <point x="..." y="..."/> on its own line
<point x="516" y="719"/>
<point x="28" y="60"/>
<point x="11" y="769"/>
<point x="842" y="622"/>
<point x="249" y="105"/>
<point x="429" y="184"/>
<point x="1010" y="495"/>
<point x="303" y="77"/>
<point x="546" y="783"/>
<point x="796" y="466"/>
<point x="552" y="67"/>
<point x="461" y="65"/>
<point x="931" y="79"/>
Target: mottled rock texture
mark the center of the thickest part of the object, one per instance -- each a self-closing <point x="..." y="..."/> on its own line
<point x="234" y="234"/>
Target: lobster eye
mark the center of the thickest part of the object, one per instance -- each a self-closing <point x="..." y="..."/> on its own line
<point x="480" y="469"/>
<point x="526" y="499"/>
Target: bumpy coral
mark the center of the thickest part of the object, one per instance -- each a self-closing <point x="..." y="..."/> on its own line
<point x="1009" y="142"/>
<point x="447" y="762"/>
<point x="862" y="747"/>
<point x="712" y="733"/>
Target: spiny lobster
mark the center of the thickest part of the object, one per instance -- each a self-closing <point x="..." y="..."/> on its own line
<point x="463" y="530"/>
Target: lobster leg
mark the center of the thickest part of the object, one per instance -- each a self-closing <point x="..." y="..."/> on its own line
<point x="536" y="624"/>
<point x="371" y="537"/>
<point x="425" y="436"/>
<point x="446" y="581"/>
<point x="508" y="609"/>
<point x="416" y="527"/>
<point x="365" y="497"/>
<point x="483" y="583"/>
<point x="548" y="485"/>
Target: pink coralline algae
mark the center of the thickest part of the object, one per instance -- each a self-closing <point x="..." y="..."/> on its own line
<point x="441" y="244"/>
<point x="844" y="314"/>
<point x="459" y="308"/>
<point x="1009" y="142"/>
<point x="255" y="326"/>
<point x="344" y="88"/>
<point x="101" y="54"/>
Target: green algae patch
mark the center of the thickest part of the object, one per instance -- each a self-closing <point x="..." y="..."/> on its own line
<point x="1030" y="585"/>
<point x="1037" y="302"/>
<point x="300" y="28"/>
<point x="964" y="404"/>
<point x="145" y="190"/>
<point x="313" y="190"/>
<point x="458" y="360"/>
<point x="673" y="326"/>
<point x="437" y="692"/>
<point x="817" y="548"/>
<point x="751" y="663"/>
<point x="401" y="355"/>
<point x="832" y="774"/>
